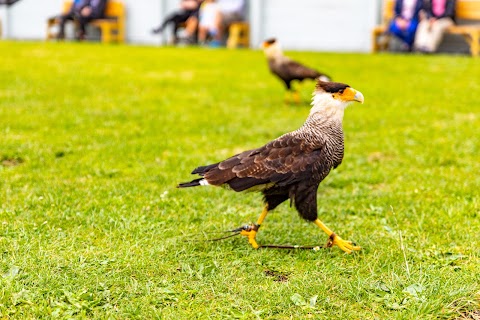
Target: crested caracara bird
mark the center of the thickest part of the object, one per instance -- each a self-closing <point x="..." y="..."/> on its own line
<point x="293" y="165"/>
<point x="287" y="69"/>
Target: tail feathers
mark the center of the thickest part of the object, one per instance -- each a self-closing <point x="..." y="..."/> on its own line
<point x="193" y="183"/>
<point x="203" y="169"/>
<point x="324" y="77"/>
<point x="316" y="75"/>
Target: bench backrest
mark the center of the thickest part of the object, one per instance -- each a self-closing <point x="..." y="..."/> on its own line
<point x="66" y="6"/>
<point x="466" y="9"/>
<point x="387" y="10"/>
<point x="115" y="9"/>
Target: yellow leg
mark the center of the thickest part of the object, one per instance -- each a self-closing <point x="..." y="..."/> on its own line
<point x="296" y="97"/>
<point x="335" y="240"/>
<point x="287" y="97"/>
<point x="251" y="233"/>
<point x="292" y="95"/>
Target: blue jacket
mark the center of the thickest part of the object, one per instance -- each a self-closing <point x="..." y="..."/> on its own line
<point x="76" y="6"/>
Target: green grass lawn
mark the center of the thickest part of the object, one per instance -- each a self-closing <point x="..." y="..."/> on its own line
<point x="94" y="139"/>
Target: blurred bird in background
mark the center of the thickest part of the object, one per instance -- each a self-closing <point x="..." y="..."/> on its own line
<point x="287" y="69"/>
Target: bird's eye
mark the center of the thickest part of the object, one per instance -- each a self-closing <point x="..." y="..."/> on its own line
<point x="340" y="91"/>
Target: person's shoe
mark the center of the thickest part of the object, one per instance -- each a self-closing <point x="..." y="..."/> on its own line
<point x="157" y="30"/>
<point x="186" y="40"/>
<point x="404" y="47"/>
<point x="423" y="50"/>
<point x="215" y="44"/>
<point x="81" y="36"/>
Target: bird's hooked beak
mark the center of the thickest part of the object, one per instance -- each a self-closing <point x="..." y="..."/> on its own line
<point x="358" y="97"/>
<point x="350" y="94"/>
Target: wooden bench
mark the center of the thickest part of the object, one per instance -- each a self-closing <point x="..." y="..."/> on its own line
<point x="466" y="10"/>
<point x="112" y="26"/>
<point x="238" y="35"/>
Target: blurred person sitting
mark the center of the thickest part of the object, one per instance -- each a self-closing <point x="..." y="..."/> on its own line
<point x="188" y="15"/>
<point x="217" y="16"/>
<point x="435" y="18"/>
<point x="209" y="20"/>
<point x="83" y="11"/>
<point x="405" y="22"/>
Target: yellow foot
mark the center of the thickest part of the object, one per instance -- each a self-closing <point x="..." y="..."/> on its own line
<point x="292" y="95"/>
<point x="250" y="231"/>
<point x="296" y="97"/>
<point x="345" y="245"/>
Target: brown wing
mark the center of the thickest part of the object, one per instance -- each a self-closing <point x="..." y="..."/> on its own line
<point x="296" y="71"/>
<point x="284" y="161"/>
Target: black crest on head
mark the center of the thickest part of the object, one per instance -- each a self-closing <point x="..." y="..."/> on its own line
<point x="271" y="41"/>
<point x="331" y="87"/>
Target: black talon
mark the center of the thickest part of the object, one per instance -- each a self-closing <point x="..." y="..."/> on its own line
<point x="237" y="231"/>
<point x="330" y="240"/>
<point x="251" y="227"/>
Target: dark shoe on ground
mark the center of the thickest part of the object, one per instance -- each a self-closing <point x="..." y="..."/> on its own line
<point x="423" y="50"/>
<point x="81" y="36"/>
<point x="215" y="44"/>
<point x="157" y="30"/>
<point x="186" y="40"/>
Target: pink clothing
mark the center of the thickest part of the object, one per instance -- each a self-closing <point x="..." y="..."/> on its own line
<point x="408" y="9"/>
<point x="438" y="7"/>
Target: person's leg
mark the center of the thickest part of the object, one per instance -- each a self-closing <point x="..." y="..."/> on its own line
<point x="208" y="20"/>
<point x="179" y="21"/>
<point x="63" y="20"/>
<point x="438" y="30"/>
<point x="422" y="36"/>
<point x="176" y="18"/>
<point x="408" y="35"/>
<point x="82" y="23"/>
<point x="395" y="30"/>
<point x="191" y="28"/>
<point x="202" y="34"/>
<point x="163" y="25"/>
<point x="218" y="27"/>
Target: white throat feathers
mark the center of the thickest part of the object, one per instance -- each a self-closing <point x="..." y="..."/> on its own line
<point x="273" y="51"/>
<point x="327" y="106"/>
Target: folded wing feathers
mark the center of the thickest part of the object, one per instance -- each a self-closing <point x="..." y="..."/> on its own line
<point x="282" y="161"/>
<point x="299" y="71"/>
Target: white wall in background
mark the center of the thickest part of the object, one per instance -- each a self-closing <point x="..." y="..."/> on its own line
<point x="324" y="25"/>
